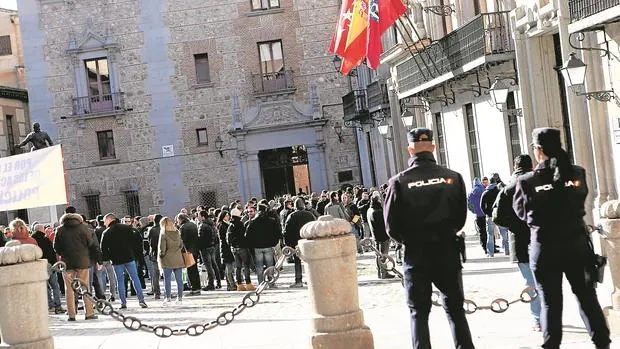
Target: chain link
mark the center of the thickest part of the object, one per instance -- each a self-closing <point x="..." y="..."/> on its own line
<point x="132" y="323"/>
<point x="498" y="305"/>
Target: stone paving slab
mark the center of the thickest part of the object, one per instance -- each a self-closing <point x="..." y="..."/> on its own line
<point x="281" y="319"/>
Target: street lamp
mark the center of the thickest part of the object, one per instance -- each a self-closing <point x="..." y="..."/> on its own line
<point x="384" y="130"/>
<point x="574" y="71"/>
<point x="407" y="118"/>
<point x="219" y="143"/>
<point x="338" y="64"/>
<point x="499" y="92"/>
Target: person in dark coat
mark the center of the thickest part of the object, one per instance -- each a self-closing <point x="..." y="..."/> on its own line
<point x="374" y="217"/>
<point x="207" y="236"/>
<point x="236" y="239"/>
<point x="292" y="229"/>
<point x="74" y="243"/>
<point x="425" y="208"/>
<point x="107" y="272"/>
<point x="226" y="254"/>
<point x="551" y="200"/>
<point x="505" y="216"/>
<point x="118" y="246"/>
<point x="189" y="235"/>
<point x="473" y="205"/>
<point x="263" y="234"/>
<point x="53" y="289"/>
<point x="153" y="237"/>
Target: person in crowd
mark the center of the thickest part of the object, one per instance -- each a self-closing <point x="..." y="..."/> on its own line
<point x="207" y="241"/>
<point x="354" y="218"/>
<point x="53" y="289"/>
<point x="426" y="216"/>
<point x="292" y="229"/>
<point x="226" y="254"/>
<point x="377" y="230"/>
<point x="8" y="235"/>
<point x="334" y="208"/>
<point x="95" y="262"/>
<point x="170" y="259"/>
<point x="20" y="232"/>
<point x="189" y="235"/>
<point x="154" y="233"/>
<point x="323" y="201"/>
<point x="118" y="246"/>
<point x="364" y="204"/>
<point x="551" y="199"/>
<point x="485" y="182"/>
<point x="106" y="273"/>
<point x="263" y="234"/>
<point x="486" y="205"/>
<point x="74" y="244"/>
<point x="138" y="253"/>
<point x="236" y="239"/>
<point x="504" y="215"/>
<point x="311" y="209"/>
<point x="473" y="205"/>
<point x="2" y="238"/>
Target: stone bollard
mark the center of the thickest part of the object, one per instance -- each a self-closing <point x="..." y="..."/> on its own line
<point x="610" y="241"/>
<point x="329" y="250"/>
<point x="23" y="298"/>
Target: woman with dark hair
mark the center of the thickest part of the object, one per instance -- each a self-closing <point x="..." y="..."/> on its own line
<point x="226" y="254"/>
<point x="551" y="200"/>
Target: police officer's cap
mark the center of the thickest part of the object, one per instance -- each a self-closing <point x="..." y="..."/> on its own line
<point x="420" y="134"/>
<point x="546" y="137"/>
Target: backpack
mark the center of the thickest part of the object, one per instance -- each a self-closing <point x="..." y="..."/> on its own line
<point x="487" y="200"/>
<point x="502" y="212"/>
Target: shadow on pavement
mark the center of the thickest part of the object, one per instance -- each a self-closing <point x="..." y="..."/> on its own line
<point x="500" y="258"/>
<point x="490" y="271"/>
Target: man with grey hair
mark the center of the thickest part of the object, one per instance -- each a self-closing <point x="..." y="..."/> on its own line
<point x="374" y="217"/>
<point x="292" y="228"/>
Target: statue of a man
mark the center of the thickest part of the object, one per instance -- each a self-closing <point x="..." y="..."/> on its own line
<point x="38" y="138"/>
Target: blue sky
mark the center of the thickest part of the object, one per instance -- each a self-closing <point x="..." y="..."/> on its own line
<point x="12" y="4"/>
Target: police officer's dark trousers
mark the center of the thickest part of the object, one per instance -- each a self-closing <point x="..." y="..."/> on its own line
<point x="549" y="262"/>
<point x="419" y="278"/>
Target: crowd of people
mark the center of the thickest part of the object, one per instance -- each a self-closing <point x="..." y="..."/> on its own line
<point x="116" y="255"/>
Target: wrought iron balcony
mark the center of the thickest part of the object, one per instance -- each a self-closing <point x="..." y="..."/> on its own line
<point x="267" y="83"/>
<point x="580" y="9"/>
<point x="377" y="96"/>
<point x="99" y="104"/>
<point x="486" y="38"/>
<point x="354" y="105"/>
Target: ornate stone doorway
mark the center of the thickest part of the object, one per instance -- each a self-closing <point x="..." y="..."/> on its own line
<point x="284" y="171"/>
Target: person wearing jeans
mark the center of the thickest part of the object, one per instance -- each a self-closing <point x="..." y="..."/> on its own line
<point x="53" y="294"/>
<point x="262" y="234"/>
<point x="53" y="289"/>
<point x="535" y="307"/>
<point x="207" y="236"/>
<point x="292" y="228"/>
<point x="189" y="235"/>
<point x="503" y="232"/>
<point x="118" y="246"/>
<point x="237" y="241"/>
<point x="107" y="274"/>
<point x="374" y="216"/>
<point x="170" y="258"/>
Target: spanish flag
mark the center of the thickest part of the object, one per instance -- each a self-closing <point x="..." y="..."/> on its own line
<point x="357" y="38"/>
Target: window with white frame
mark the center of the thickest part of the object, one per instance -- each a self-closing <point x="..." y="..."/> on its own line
<point x="265" y="4"/>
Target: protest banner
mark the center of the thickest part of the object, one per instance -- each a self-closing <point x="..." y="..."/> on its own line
<point x="32" y="180"/>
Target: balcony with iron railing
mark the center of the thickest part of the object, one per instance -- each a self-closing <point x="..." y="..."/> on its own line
<point x="377" y="96"/>
<point x="484" y="39"/>
<point x="112" y="103"/>
<point x="273" y="83"/>
<point x="354" y="105"/>
<point x="585" y="10"/>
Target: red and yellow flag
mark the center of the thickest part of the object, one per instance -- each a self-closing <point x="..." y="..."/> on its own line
<point x="357" y="39"/>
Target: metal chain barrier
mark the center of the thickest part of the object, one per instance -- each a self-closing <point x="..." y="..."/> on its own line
<point x="498" y="305"/>
<point x="250" y="299"/>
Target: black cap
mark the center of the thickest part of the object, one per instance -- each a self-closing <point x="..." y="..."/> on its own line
<point x="546" y="137"/>
<point x="420" y="134"/>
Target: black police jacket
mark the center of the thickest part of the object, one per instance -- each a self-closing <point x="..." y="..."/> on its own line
<point x="553" y="214"/>
<point x="425" y="203"/>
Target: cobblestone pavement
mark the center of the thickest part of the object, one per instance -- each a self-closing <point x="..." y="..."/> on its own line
<point x="281" y="319"/>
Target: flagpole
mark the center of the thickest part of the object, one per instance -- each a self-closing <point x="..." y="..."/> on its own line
<point x="421" y="41"/>
<point x="413" y="56"/>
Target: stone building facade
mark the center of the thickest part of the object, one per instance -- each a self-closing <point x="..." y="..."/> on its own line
<point x="173" y="103"/>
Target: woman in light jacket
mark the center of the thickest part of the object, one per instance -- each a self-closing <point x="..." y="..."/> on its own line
<point x="334" y="208"/>
<point x="170" y="258"/>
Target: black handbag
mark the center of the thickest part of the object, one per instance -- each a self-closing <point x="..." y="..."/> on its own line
<point x="596" y="269"/>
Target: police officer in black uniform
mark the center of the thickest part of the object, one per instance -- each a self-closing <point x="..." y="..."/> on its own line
<point x="551" y="201"/>
<point x="425" y="207"/>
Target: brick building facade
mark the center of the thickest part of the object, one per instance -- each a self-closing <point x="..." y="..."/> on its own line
<point x="169" y="104"/>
